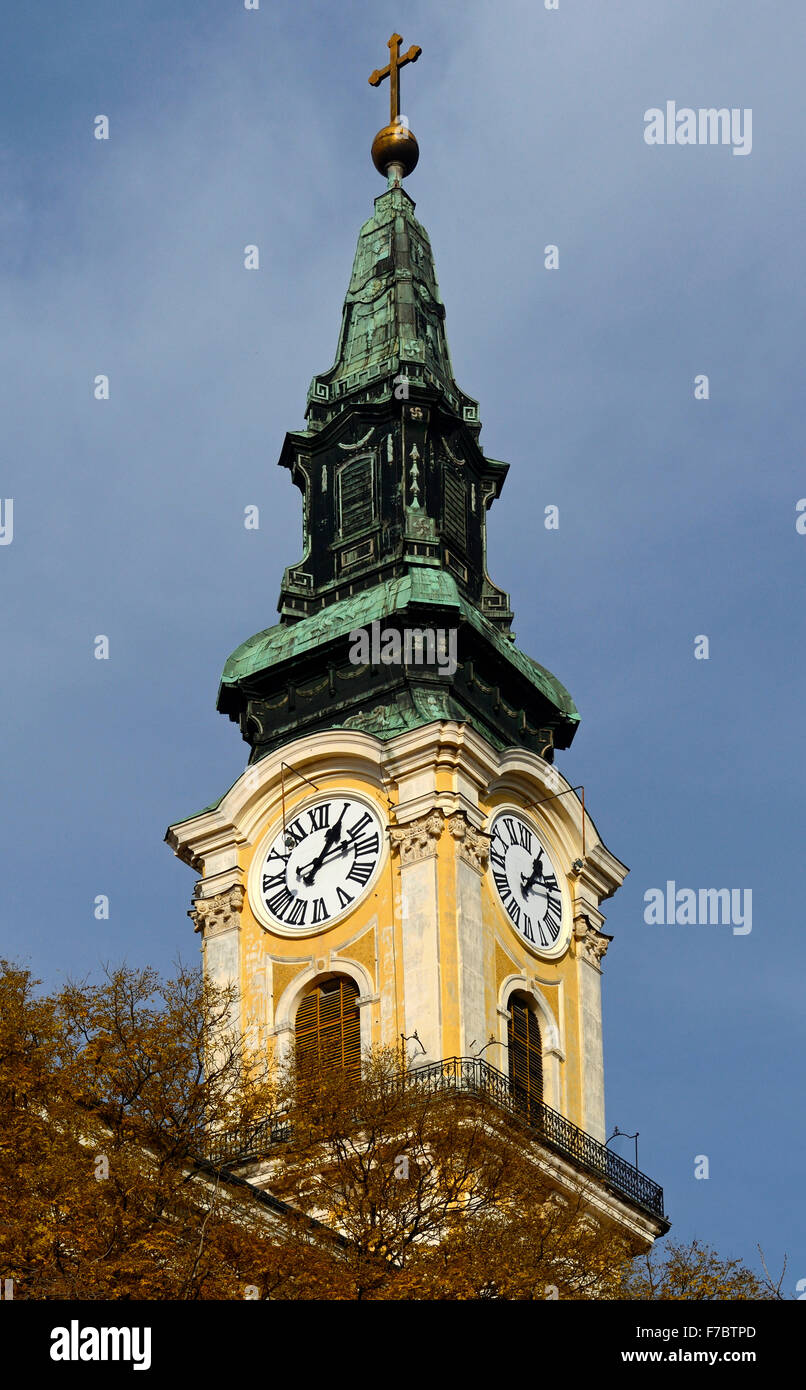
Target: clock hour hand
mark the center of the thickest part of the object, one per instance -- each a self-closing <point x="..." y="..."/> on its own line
<point x="528" y="883"/>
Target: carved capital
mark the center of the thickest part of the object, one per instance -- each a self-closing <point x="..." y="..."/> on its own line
<point x="418" y="839"/>
<point x="592" y="944"/>
<point x="218" y="914"/>
<point x="474" y="845"/>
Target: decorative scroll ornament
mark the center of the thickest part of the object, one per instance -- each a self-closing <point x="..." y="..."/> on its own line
<point x="212" y="916"/>
<point x="359" y="443"/>
<point x="474" y="845"/>
<point x="455" y="458"/>
<point x="418" y="839"/>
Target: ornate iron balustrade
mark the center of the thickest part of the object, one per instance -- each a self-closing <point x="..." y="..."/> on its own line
<point x="474" y="1076"/>
<point x="547" y="1126"/>
<point x="242" y="1145"/>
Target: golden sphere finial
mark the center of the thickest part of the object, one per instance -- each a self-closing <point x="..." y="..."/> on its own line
<point x="395" y="144"/>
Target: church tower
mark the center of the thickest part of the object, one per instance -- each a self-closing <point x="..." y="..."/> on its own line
<point x="401" y="858"/>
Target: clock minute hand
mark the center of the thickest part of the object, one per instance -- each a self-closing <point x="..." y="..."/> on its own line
<point x="331" y="834"/>
<point x="308" y="871"/>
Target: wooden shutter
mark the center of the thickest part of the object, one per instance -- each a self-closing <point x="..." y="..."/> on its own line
<point x="356" y="496"/>
<point x="525" y="1053"/>
<point x="455" y="507"/>
<point x="327" y="1027"/>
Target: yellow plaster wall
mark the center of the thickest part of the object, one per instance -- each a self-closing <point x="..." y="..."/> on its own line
<point x="371" y="935"/>
<point x="353" y="937"/>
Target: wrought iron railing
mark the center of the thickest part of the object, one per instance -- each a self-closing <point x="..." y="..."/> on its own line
<point x="248" y="1142"/>
<point x="474" y="1076"/>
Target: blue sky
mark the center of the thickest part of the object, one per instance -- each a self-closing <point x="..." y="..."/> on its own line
<point x="677" y="517"/>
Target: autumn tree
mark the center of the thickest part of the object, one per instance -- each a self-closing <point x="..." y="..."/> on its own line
<point x="441" y="1195"/>
<point x="107" y="1096"/>
<point x="695" y="1272"/>
<point x="144" y="1154"/>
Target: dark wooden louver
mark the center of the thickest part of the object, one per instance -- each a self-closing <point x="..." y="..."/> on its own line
<point x="525" y="1054"/>
<point x="327" y="1028"/>
<point x="356" y="497"/>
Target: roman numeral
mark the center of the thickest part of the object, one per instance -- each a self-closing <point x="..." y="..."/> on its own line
<point x="527" y="930"/>
<point x="296" y="917"/>
<point x="356" y="829"/>
<point x="511" y="831"/>
<point x="280" y="903"/>
<point x="296" y="831"/>
<point x="495" y="855"/>
<point x="501" y="883"/>
<point x="361" y="873"/>
<point x="320" y="912"/>
<point x="552" y="921"/>
<point x="514" y="912"/>
<point x="320" y="816"/>
<point x="344" y="898"/>
<point x="271" y="880"/>
<point x="526" y="836"/>
<point x="369" y="845"/>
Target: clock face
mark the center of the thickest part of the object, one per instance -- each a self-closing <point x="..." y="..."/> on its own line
<point x="526" y="883"/>
<point x="319" y="865"/>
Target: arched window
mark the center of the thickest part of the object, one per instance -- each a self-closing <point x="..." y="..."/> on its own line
<point x="327" y="1027"/>
<point x="525" y="1055"/>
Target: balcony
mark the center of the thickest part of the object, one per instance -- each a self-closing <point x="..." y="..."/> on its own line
<point x="474" y="1076"/>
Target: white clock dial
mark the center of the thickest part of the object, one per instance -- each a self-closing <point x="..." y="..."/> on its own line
<point x="320" y="864"/>
<point x="526" y="882"/>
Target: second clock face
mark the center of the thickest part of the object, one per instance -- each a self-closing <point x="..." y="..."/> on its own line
<point x="319" y="864"/>
<point x="526" y="883"/>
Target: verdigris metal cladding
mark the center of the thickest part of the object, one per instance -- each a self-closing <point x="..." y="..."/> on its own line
<point x="388" y="421"/>
<point x="395" y="494"/>
<point x="295" y="679"/>
<point x="393" y="319"/>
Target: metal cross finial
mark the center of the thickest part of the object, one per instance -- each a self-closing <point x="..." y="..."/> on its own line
<point x="392" y="71"/>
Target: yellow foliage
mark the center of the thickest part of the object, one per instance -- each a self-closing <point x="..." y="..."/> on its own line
<point x="390" y="1192"/>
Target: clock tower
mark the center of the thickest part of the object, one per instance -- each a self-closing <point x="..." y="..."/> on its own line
<point x="402" y="857"/>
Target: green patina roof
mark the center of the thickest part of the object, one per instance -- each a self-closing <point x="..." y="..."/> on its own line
<point x="393" y="318"/>
<point x="422" y="586"/>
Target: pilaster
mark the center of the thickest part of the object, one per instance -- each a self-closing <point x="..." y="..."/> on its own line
<point x="416" y="844"/>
